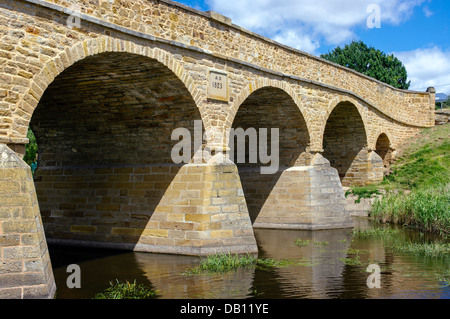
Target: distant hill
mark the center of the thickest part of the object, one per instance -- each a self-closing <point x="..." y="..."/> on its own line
<point x="440" y="97"/>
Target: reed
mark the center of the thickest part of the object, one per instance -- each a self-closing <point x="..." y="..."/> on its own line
<point x="427" y="209"/>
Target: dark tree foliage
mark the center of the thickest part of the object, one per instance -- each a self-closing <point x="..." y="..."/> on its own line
<point x="371" y="62"/>
<point x="31" y="149"/>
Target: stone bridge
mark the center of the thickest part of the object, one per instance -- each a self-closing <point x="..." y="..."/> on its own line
<point x="103" y="84"/>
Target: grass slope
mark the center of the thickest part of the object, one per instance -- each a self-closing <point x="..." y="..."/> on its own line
<point x="422" y="174"/>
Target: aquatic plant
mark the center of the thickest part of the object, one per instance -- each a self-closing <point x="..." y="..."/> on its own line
<point x="227" y="262"/>
<point x="126" y="290"/>
<point x="301" y="242"/>
<point x="374" y="233"/>
<point x="435" y="249"/>
<point x="352" y="261"/>
<point x="322" y="243"/>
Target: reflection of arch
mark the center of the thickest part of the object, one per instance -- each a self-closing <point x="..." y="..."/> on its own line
<point x="345" y="142"/>
<point x="266" y="108"/>
<point x="88" y="48"/>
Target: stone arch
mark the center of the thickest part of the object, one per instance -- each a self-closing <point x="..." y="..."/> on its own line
<point x="87" y="48"/>
<point x="333" y="104"/>
<point x="383" y="147"/>
<point x="384" y="134"/>
<point x="273" y="107"/>
<point x="261" y="83"/>
<point x="266" y="108"/>
<point x="104" y="124"/>
<point x="345" y="140"/>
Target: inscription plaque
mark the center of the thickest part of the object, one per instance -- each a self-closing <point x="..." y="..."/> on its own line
<point x="218" y="85"/>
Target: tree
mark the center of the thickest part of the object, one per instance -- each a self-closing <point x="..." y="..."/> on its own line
<point x="371" y="62"/>
<point x="31" y="150"/>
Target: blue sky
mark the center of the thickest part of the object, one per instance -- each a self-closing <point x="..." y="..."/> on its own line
<point x="416" y="31"/>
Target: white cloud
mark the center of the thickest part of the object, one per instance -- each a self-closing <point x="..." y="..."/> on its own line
<point x="305" y="24"/>
<point x="428" y="13"/>
<point x="427" y="67"/>
<point x="292" y="39"/>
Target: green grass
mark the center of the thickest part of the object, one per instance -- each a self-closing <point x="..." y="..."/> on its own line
<point x="126" y="290"/>
<point x="426" y="209"/>
<point x="363" y="192"/>
<point x="269" y="263"/>
<point x="423" y="170"/>
<point x="220" y="263"/>
<point x="301" y="242"/>
<point x="435" y="249"/>
<point x="374" y="233"/>
<point x="223" y="263"/>
<point x="321" y="243"/>
<point x="352" y="261"/>
<point x="425" y="163"/>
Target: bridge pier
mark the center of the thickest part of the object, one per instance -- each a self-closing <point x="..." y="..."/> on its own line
<point x="25" y="267"/>
<point x="304" y="197"/>
<point x="193" y="209"/>
<point x="376" y="167"/>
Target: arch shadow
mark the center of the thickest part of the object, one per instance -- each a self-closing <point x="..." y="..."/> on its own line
<point x="104" y="133"/>
<point x="345" y="143"/>
<point x="384" y="149"/>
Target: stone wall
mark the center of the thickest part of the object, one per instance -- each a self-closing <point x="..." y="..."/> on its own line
<point x="193" y="209"/>
<point x="308" y="197"/>
<point x="442" y="117"/>
<point x="40" y="46"/>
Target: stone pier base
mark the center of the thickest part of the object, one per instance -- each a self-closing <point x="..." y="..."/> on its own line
<point x="25" y="267"/>
<point x="308" y="197"/>
<point x="193" y="209"/>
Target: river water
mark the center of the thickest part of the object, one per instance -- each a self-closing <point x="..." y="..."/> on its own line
<point x="331" y="264"/>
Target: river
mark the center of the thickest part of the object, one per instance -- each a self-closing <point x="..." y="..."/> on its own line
<point x="331" y="264"/>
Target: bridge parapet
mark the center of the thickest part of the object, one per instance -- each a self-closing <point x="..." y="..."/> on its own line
<point x="214" y="34"/>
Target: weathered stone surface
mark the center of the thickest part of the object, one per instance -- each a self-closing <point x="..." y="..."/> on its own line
<point x="25" y="269"/>
<point x="442" y="117"/>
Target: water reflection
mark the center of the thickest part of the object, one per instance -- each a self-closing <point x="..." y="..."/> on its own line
<point x="318" y="272"/>
<point x="330" y="264"/>
<point x="166" y="272"/>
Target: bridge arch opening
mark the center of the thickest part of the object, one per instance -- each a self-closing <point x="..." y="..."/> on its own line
<point x="105" y="175"/>
<point x="384" y="150"/>
<point x="345" y="144"/>
<point x="267" y="195"/>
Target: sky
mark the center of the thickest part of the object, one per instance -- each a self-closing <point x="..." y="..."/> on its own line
<point x="415" y="31"/>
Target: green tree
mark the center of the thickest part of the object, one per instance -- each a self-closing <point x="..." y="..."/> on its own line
<point x="31" y="149"/>
<point x="371" y="62"/>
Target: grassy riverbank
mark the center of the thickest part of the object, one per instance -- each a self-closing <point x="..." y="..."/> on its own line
<point x="417" y="192"/>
